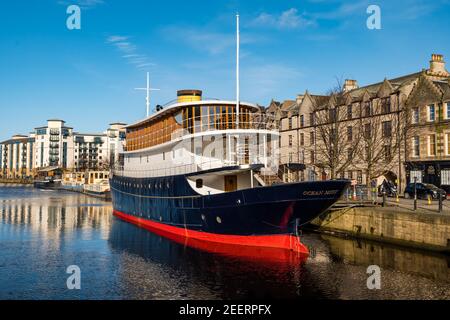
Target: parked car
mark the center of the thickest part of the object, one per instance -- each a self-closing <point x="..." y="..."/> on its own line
<point x="424" y="190"/>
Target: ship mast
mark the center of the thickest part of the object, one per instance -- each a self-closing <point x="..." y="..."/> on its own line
<point x="237" y="71"/>
<point x="148" y="89"/>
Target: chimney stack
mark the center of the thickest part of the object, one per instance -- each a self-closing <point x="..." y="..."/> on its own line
<point x="350" y="85"/>
<point x="437" y="65"/>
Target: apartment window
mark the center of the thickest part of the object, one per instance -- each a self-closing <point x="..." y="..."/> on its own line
<point x="312" y="157"/>
<point x="350" y="175"/>
<point x="387" y="153"/>
<point x="415" y="175"/>
<point x="302" y="139"/>
<point x="432" y="145"/>
<point x="367" y="131"/>
<point x="415" y="115"/>
<point x="416" y="146"/>
<point x="290" y="123"/>
<point x="368" y="108"/>
<point x="349" y="112"/>
<point x="312" y="138"/>
<point x="431" y="112"/>
<point x="290" y="140"/>
<point x="386" y="105"/>
<point x="447" y="143"/>
<point x="387" y="129"/>
<point x="302" y="121"/>
<point x="447" y="110"/>
<point x="349" y="134"/>
<point x="350" y="154"/>
<point x="290" y="157"/>
<point x="311" y="119"/>
<point x="333" y="115"/>
<point x="359" y="177"/>
<point x="445" y="177"/>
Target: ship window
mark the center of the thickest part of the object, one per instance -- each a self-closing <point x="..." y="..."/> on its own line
<point x="199" y="183"/>
<point x="179" y="117"/>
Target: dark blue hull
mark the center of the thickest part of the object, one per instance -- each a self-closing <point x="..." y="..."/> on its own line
<point x="272" y="210"/>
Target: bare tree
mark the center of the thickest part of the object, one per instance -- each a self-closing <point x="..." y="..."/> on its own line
<point x="381" y="135"/>
<point x="335" y="150"/>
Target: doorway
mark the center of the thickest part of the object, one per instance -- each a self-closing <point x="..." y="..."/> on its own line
<point x="230" y="183"/>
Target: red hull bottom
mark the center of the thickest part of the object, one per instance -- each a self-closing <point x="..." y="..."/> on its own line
<point x="281" y="248"/>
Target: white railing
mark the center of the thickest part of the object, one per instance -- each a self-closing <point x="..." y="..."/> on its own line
<point x="172" y="170"/>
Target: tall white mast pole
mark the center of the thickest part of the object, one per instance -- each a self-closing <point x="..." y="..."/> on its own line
<point x="237" y="71"/>
<point x="148" y="94"/>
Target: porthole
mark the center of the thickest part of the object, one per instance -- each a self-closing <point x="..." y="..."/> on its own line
<point x="219" y="220"/>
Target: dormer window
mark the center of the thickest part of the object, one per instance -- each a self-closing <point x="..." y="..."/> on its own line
<point x="431" y="113"/>
<point x="415" y="116"/>
<point x="368" y="108"/>
<point x="386" y="105"/>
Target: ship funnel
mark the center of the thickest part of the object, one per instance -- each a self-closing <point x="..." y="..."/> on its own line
<point x="189" y="95"/>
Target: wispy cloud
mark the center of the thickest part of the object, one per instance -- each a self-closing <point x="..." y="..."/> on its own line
<point x="129" y="51"/>
<point x="289" y="19"/>
<point x="202" y="39"/>
<point x="343" y="10"/>
<point x="83" y="4"/>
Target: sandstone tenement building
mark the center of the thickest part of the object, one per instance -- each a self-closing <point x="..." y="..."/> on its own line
<point x="396" y="129"/>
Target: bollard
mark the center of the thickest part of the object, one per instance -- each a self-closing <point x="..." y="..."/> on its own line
<point x="384" y="199"/>
<point x="429" y="200"/>
<point x="440" y="203"/>
<point x="397" y="199"/>
<point x="415" y="193"/>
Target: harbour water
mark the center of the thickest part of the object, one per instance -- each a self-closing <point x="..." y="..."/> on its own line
<point x="44" y="232"/>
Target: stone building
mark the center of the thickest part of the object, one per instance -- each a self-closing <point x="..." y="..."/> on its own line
<point x="394" y="129"/>
<point x="427" y="143"/>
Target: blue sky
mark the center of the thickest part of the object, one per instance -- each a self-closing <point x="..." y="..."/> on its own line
<point x="88" y="76"/>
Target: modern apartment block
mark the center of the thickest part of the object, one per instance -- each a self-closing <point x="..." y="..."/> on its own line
<point x="57" y="145"/>
<point x="17" y="156"/>
<point x="54" y="145"/>
<point x="396" y="129"/>
<point x="98" y="151"/>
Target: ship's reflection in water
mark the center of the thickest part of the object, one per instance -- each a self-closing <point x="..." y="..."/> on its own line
<point x="42" y="233"/>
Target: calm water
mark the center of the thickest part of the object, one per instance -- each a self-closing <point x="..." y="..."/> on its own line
<point x="42" y="233"/>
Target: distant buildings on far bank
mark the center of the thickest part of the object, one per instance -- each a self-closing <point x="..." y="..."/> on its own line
<point x="57" y="145"/>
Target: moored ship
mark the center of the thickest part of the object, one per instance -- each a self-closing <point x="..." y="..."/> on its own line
<point x="203" y="170"/>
